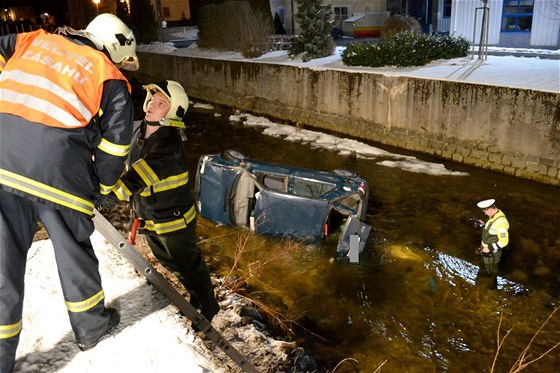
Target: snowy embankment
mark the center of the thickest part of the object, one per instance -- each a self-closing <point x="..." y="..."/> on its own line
<point x="151" y="337"/>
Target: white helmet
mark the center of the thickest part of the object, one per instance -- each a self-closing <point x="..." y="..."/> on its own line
<point x="107" y="30"/>
<point x="178" y="100"/>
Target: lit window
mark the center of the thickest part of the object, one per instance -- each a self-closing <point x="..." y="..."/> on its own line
<point x="165" y="11"/>
<point x="517" y="15"/>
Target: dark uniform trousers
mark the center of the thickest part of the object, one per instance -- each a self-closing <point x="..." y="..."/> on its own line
<point x="75" y="259"/>
<point x="180" y="255"/>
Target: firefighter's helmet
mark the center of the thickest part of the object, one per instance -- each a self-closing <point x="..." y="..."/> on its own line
<point x="107" y="30"/>
<point x="178" y="101"/>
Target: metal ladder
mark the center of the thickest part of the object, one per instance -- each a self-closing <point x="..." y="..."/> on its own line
<point x="103" y="226"/>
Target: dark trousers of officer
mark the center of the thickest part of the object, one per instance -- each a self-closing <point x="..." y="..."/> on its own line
<point x="76" y="262"/>
<point x="181" y="256"/>
<point x="491" y="263"/>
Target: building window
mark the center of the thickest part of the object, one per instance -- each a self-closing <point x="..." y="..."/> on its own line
<point x="280" y="12"/>
<point x="340" y="14"/>
<point x="165" y="11"/>
<point x="447" y="8"/>
<point x="517" y="15"/>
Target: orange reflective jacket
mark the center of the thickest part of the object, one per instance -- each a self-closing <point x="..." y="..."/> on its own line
<point x="52" y="83"/>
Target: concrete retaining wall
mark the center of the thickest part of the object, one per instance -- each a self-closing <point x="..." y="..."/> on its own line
<point x="514" y="131"/>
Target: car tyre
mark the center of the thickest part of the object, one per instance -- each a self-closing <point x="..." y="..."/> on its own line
<point x="233" y="155"/>
<point x="345" y="173"/>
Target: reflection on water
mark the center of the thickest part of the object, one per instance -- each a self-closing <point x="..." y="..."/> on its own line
<point x="416" y="299"/>
<point x="448" y="268"/>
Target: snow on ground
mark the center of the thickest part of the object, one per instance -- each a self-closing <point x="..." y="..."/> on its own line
<point x="151" y="337"/>
<point x="538" y="73"/>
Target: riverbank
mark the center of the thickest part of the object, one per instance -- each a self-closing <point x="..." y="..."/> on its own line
<point x="152" y="336"/>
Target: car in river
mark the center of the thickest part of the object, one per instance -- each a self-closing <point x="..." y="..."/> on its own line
<point x="284" y="201"/>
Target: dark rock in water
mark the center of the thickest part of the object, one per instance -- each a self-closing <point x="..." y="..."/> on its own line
<point x="252" y="313"/>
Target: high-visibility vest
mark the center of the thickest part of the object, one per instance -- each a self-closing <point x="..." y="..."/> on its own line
<point x="51" y="88"/>
<point x="53" y="81"/>
<point x="495" y="230"/>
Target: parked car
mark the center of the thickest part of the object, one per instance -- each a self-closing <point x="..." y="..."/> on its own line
<point x="283" y="201"/>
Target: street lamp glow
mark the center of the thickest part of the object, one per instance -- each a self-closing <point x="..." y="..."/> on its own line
<point x="96" y="2"/>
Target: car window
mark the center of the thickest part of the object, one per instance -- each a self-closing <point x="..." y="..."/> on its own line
<point x="311" y="188"/>
<point x="351" y="201"/>
<point x="275" y="182"/>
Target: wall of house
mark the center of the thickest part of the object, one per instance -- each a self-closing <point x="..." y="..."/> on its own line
<point x="514" y="131"/>
<point x="178" y="9"/>
<point x="544" y="30"/>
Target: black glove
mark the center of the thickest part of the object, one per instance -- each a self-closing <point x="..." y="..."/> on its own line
<point x="107" y="202"/>
<point x="476" y="223"/>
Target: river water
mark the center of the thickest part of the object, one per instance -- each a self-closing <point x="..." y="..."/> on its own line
<point x="414" y="303"/>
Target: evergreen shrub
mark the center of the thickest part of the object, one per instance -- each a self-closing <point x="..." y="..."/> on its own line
<point x="314" y="40"/>
<point x="405" y="49"/>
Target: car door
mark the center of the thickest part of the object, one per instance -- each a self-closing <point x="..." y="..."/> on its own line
<point x="280" y="214"/>
<point x="353" y="239"/>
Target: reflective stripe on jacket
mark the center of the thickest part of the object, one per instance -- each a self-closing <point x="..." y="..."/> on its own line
<point x="53" y="81"/>
<point x="67" y="167"/>
<point x="157" y="181"/>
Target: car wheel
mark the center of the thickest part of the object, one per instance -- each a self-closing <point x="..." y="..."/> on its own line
<point x="232" y="155"/>
<point x="345" y="173"/>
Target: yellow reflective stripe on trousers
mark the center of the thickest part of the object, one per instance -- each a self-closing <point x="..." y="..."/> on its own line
<point x="171" y="182"/>
<point x="85" y="304"/>
<point x="46" y="192"/>
<point x="145" y="172"/>
<point x="113" y="149"/>
<point x="171" y="226"/>
<point x="9" y="331"/>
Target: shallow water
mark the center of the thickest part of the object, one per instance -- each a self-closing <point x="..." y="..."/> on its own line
<point x="415" y="300"/>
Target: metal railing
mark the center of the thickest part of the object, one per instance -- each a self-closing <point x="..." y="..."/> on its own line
<point x="16" y="28"/>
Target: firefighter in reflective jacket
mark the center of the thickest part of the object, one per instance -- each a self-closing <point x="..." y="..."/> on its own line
<point x="156" y="182"/>
<point x="495" y="236"/>
<point x="66" y="121"/>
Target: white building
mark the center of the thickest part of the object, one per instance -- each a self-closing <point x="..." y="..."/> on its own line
<point x="512" y="23"/>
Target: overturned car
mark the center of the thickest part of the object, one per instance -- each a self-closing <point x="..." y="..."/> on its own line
<point x="283" y="201"/>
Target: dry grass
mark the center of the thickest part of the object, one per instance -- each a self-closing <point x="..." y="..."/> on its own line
<point x="377" y="370"/>
<point x="398" y="23"/>
<point x="235" y="26"/>
<point x="524" y="358"/>
<point x="245" y="274"/>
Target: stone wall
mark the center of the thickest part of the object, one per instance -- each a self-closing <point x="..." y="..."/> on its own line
<point x="509" y="130"/>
